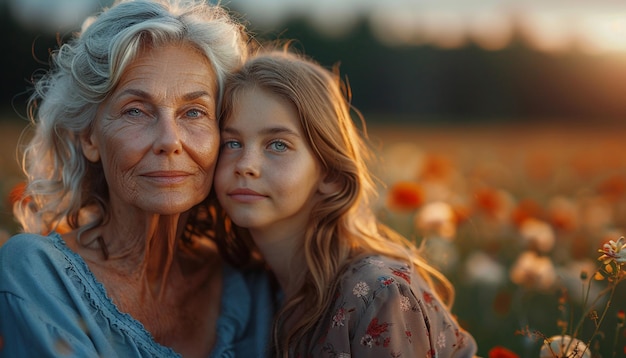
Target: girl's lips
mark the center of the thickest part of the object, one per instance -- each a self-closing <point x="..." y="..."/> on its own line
<point x="245" y="195"/>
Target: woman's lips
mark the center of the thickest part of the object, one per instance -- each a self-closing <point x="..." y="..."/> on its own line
<point x="167" y="177"/>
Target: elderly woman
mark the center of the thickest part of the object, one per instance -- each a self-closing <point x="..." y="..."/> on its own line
<point x="121" y="160"/>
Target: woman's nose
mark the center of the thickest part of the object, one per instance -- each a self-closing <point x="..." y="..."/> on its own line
<point x="168" y="135"/>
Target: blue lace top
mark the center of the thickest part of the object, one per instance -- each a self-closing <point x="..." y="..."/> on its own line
<point x="52" y="305"/>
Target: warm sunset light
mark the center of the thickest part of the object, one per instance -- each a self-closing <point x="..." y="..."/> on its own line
<point x="603" y="32"/>
<point x="594" y="28"/>
<point x="547" y="30"/>
<point x="494" y="132"/>
<point x="590" y="27"/>
<point x="491" y="30"/>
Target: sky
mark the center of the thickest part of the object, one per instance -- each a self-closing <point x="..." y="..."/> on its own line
<point x="590" y="26"/>
<point x="593" y="26"/>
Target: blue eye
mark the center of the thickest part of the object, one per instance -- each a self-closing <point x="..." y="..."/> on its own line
<point x="278" y="146"/>
<point x="231" y="144"/>
<point x="134" y="112"/>
<point x="194" y="113"/>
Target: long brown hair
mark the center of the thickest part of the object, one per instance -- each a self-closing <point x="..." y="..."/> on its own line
<point x="342" y="225"/>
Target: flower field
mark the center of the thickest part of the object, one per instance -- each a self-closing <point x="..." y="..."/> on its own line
<point x="513" y="214"/>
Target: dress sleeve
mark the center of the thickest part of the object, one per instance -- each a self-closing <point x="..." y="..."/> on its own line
<point x="52" y="306"/>
<point x="26" y="330"/>
<point x="387" y="315"/>
<point x="393" y="324"/>
<point x="38" y="317"/>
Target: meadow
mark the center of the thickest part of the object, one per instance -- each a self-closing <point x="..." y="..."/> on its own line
<point x="513" y="214"/>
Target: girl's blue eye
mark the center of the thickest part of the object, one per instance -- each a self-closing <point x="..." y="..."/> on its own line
<point x="279" y="146"/>
<point x="231" y="144"/>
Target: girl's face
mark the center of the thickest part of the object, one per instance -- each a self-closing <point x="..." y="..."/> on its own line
<point x="267" y="177"/>
<point x="157" y="135"/>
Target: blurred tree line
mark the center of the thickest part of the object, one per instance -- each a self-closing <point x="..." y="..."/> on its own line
<point x="469" y="83"/>
<point x="410" y="83"/>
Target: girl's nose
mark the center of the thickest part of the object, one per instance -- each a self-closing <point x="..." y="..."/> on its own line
<point x="248" y="163"/>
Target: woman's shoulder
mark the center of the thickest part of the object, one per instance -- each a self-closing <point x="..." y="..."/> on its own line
<point x="26" y="246"/>
<point x="31" y="258"/>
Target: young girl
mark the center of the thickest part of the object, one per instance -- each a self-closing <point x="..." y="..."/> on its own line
<point x="292" y="171"/>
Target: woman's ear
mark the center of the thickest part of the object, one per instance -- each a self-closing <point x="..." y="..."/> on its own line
<point x="90" y="147"/>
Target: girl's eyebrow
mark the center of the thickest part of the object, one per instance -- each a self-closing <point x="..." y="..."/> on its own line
<point x="265" y="131"/>
<point x="279" y="130"/>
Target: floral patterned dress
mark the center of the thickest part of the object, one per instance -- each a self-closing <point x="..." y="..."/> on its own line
<point x="384" y="308"/>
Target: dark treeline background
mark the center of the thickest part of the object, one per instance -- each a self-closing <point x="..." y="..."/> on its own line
<point x="412" y="83"/>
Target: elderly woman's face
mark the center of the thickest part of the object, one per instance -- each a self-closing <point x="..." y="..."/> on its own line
<point x="157" y="134"/>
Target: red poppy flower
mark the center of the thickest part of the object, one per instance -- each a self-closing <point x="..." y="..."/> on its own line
<point x="488" y="200"/>
<point x="501" y="352"/>
<point x="436" y="167"/>
<point x="613" y="188"/>
<point x="525" y="209"/>
<point x="405" y="196"/>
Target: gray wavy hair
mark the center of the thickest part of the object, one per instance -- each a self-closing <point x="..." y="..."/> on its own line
<point x="61" y="183"/>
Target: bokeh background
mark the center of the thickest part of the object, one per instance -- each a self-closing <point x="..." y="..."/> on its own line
<point x="499" y="125"/>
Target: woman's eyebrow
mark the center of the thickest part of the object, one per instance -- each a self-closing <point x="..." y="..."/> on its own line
<point x="143" y="94"/>
<point x="195" y="95"/>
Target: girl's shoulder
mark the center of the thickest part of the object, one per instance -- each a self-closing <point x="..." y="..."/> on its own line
<point x="376" y="279"/>
<point x="379" y="270"/>
<point x="384" y="306"/>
